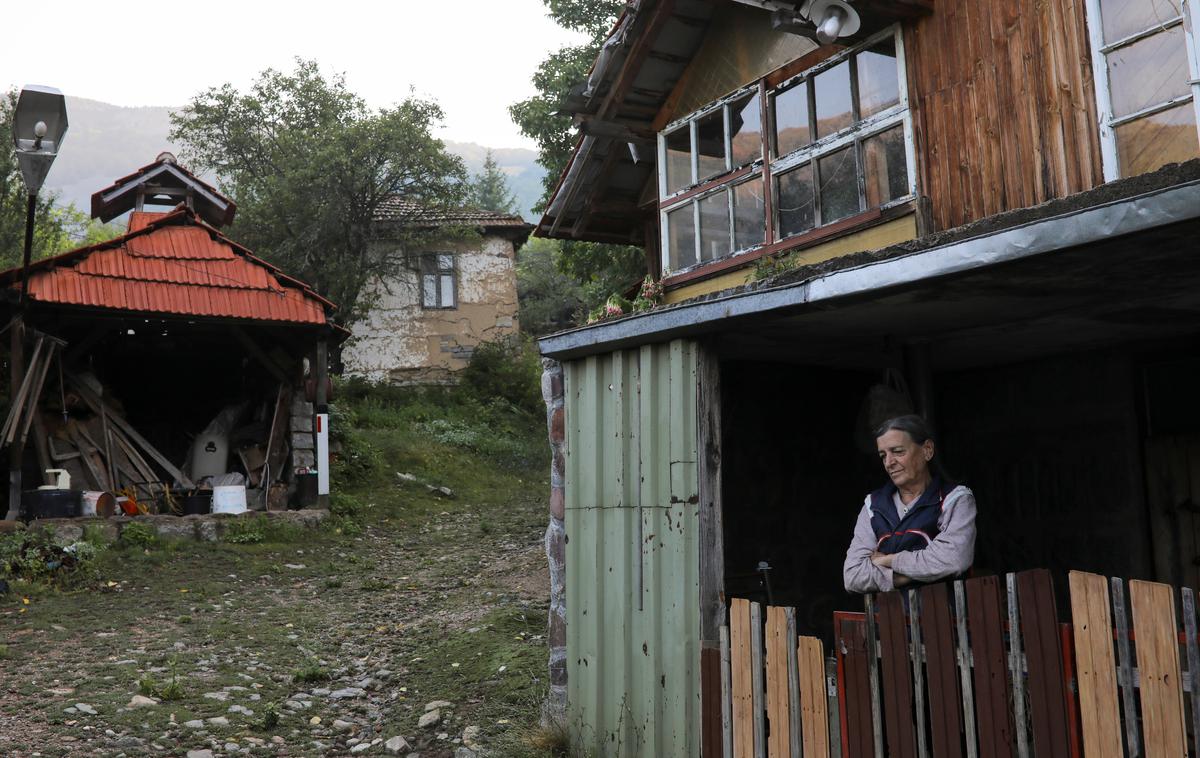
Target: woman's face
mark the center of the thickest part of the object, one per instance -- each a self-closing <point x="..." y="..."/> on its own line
<point x="905" y="461"/>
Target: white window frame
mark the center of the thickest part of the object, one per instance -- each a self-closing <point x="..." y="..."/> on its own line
<point x="898" y="114"/>
<point x="1110" y="160"/>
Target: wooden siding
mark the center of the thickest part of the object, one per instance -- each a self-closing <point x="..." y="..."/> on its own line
<point x="1004" y="109"/>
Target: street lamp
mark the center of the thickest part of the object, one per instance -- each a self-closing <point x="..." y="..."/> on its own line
<point x="39" y="125"/>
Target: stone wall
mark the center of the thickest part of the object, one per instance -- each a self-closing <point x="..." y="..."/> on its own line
<point x="556" y="536"/>
<point x="205" y="528"/>
<point x="401" y="342"/>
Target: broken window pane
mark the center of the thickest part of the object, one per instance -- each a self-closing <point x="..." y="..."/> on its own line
<point x="749" y="216"/>
<point x="447" y="292"/>
<point x="794" y="201"/>
<point x="429" y="290"/>
<point x="1122" y="18"/>
<point x="745" y="130"/>
<point x="679" y="159"/>
<point x="791" y="119"/>
<point x="710" y="144"/>
<point x="878" y="84"/>
<point x="681" y="237"/>
<point x="839" y="185"/>
<point x="886" y="167"/>
<point x="832" y="95"/>
<point x="1165" y="137"/>
<point x="1150" y="71"/>
<point x="714" y="226"/>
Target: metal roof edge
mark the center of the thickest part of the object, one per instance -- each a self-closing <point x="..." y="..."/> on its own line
<point x="1116" y="218"/>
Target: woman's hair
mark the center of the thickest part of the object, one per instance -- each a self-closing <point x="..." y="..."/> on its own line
<point x="912" y="425"/>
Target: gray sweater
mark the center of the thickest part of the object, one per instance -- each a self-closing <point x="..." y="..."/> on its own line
<point x="950" y="553"/>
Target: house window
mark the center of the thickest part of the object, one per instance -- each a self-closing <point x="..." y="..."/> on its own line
<point x="439" y="284"/>
<point x="837" y="141"/>
<point x="1147" y="83"/>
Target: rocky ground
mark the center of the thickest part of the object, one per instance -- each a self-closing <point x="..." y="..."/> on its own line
<point x="417" y="627"/>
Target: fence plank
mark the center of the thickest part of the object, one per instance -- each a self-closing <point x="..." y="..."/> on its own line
<point x="1095" y="666"/>
<point x="1155" y="628"/>
<point x="793" y="681"/>
<point x="1043" y="654"/>
<point x="710" y="693"/>
<point x="945" y="697"/>
<point x="985" y="619"/>
<point x="896" y="687"/>
<point x="814" y="719"/>
<point x="852" y="645"/>
<point x="1016" y="652"/>
<point x="726" y="697"/>
<point x="1125" y="668"/>
<point x="1193" y="659"/>
<point x="757" y="686"/>
<point x="963" y="653"/>
<point x="916" y="653"/>
<point x="873" y="677"/>
<point x="779" y="738"/>
<point x="741" y="679"/>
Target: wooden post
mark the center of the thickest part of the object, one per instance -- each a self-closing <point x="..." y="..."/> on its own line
<point x="712" y="551"/>
<point x="321" y="409"/>
<point x="16" y="374"/>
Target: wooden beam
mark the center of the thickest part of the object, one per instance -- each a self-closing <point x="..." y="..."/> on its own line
<point x="257" y="352"/>
<point x="637" y="54"/>
<point x="16" y="366"/>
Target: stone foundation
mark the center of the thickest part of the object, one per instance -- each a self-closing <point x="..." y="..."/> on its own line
<point x="556" y="537"/>
<point x="204" y="528"/>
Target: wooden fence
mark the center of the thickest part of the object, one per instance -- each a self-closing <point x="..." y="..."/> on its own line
<point x="980" y="668"/>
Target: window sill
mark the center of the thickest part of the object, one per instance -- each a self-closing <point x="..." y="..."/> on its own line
<point x="811" y="238"/>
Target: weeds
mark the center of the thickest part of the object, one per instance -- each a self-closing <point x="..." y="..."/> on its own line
<point x="140" y="536"/>
<point x="5" y="653"/>
<point x="34" y="558"/>
<point x="310" y="673"/>
<point x="169" y="690"/>
<point x="270" y="717"/>
<point x="246" y="531"/>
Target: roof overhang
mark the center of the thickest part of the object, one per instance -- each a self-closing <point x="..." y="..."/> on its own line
<point x="1074" y="254"/>
<point x="163" y="177"/>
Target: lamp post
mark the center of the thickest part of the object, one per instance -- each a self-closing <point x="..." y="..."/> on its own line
<point x="39" y="125"/>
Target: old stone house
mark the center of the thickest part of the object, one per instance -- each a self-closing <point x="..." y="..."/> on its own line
<point x="456" y="292"/>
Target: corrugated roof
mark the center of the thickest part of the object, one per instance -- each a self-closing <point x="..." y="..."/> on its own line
<point x="172" y="263"/>
<point x="401" y="210"/>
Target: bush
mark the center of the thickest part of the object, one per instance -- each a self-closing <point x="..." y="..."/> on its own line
<point x="507" y="369"/>
<point x="34" y="557"/>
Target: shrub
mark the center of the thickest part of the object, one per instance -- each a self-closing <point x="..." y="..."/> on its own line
<point x="138" y="535"/>
<point x="507" y="369"/>
<point x="34" y="557"/>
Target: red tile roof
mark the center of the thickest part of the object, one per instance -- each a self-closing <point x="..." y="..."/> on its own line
<point x="172" y="263"/>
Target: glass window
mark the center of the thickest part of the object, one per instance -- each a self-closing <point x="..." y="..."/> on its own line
<point x="714" y="226"/>
<point x="839" y="185"/>
<point x="791" y="119"/>
<point x="681" y="237"/>
<point x="437" y="281"/>
<point x="886" y="167"/>
<point x="679" y="159"/>
<point x="1150" y="71"/>
<point x="710" y="143"/>
<point x="794" y="191"/>
<point x="749" y="214"/>
<point x="1149" y="142"/>
<point x="878" y="82"/>
<point x="1123" y="18"/>
<point x="832" y="96"/>
<point x="745" y="130"/>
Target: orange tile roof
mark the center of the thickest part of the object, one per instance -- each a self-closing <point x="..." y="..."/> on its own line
<point x="172" y="263"/>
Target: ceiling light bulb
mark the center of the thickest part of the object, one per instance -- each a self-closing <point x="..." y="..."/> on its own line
<point x="831" y="27"/>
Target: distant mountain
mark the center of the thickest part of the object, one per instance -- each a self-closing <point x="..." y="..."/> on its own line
<point x="106" y="142"/>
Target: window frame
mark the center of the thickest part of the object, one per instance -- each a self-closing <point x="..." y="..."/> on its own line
<point x="438" y="271"/>
<point x="766" y="168"/>
<point x="1100" y="50"/>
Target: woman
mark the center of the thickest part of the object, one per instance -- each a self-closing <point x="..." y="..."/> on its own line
<point x="919" y="527"/>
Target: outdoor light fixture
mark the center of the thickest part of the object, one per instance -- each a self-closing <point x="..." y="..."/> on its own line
<point x="833" y="19"/>
<point x="39" y="125"/>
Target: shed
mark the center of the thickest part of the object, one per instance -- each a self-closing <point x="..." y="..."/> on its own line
<point x="168" y="334"/>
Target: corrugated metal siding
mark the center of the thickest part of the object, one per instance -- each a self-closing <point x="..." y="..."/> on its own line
<point x="632" y="522"/>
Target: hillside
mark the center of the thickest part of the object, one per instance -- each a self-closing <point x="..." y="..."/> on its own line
<point x="107" y="141"/>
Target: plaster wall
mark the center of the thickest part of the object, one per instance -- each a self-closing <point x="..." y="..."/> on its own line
<point x="401" y="342"/>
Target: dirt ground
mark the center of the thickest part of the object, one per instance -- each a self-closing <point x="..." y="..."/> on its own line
<point x="325" y="642"/>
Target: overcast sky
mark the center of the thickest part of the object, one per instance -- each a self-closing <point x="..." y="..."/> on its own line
<point x="474" y="57"/>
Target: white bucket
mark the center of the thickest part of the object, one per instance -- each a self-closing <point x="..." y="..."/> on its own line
<point x="229" y="498"/>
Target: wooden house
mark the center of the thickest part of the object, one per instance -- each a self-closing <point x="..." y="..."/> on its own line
<point x="998" y="199"/>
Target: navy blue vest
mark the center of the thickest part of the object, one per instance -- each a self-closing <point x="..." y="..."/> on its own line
<point x="918" y="527"/>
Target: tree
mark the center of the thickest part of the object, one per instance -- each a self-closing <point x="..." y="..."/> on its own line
<point x="600" y="269"/>
<point x="549" y="300"/>
<point x="490" y="190"/>
<point x="310" y="165"/>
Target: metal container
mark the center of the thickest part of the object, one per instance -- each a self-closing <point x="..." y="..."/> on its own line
<point x="51" y="503"/>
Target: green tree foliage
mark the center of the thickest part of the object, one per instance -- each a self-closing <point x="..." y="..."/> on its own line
<point x="548" y="299"/>
<point x="309" y="165"/>
<point x="599" y="269"/>
<point x="490" y="190"/>
<point x="56" y="228"/>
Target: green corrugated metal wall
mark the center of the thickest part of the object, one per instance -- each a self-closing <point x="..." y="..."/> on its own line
<point x="633" y="619"/>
